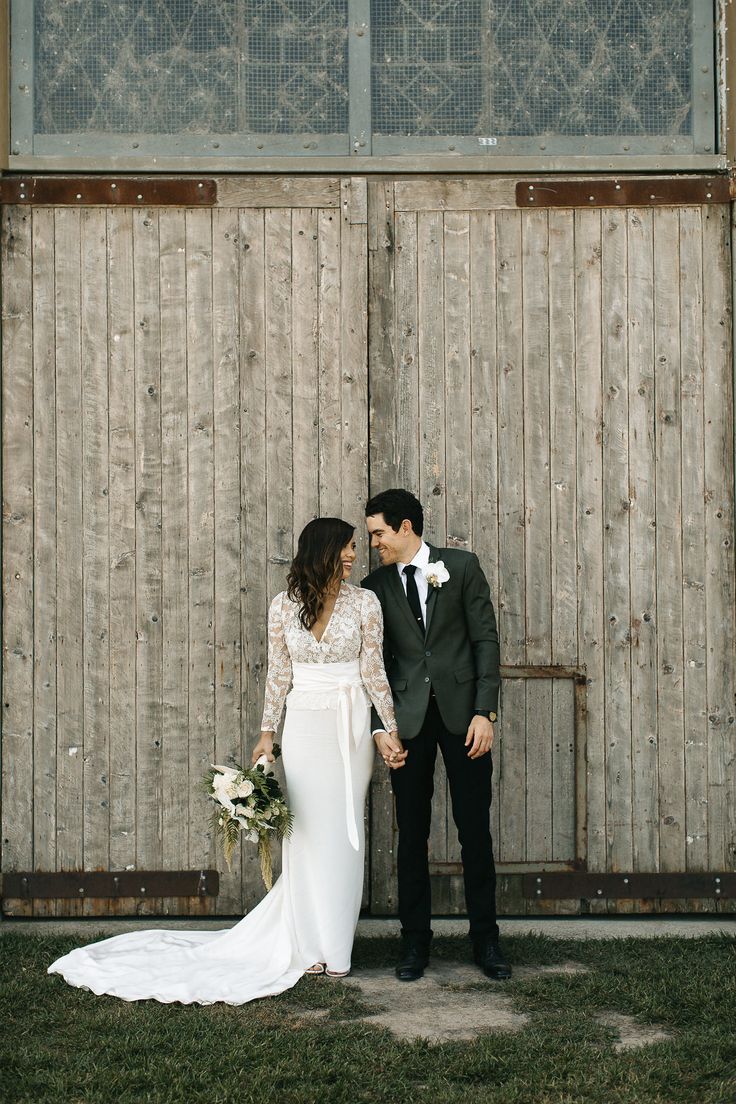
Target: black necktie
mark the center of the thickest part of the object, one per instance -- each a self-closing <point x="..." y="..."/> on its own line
<point x="412" y="594"/>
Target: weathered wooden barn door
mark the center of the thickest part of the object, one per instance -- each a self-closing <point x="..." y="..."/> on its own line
<point x="557" y="386"/>
<point x="183" y="389"/>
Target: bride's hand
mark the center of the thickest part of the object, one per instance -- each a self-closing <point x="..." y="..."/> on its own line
<point x="391" y="749"/>
<point x="264" y="747"/>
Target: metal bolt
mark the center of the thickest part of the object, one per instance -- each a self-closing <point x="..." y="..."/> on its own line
<point x="591" y="198"/>
<point x="139" y="197"/>
<point x="79" y="195"/>
<point x="143" y="889"/>
<point x="599" y="892"/>
<point x="113" y="186"/>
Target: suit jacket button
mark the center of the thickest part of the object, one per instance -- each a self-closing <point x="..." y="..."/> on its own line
<point x="427" y="679"/>
<point x="427" y="653"/>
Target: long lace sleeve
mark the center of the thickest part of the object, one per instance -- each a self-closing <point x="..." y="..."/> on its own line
<point x="278" y="678"/>
<point x="372" y="670"/>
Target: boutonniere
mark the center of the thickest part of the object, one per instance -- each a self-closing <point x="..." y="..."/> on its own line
<point x="436" y="574"/>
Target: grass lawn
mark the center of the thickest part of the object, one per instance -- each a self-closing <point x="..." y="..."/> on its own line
<point x="63" y="1044"/>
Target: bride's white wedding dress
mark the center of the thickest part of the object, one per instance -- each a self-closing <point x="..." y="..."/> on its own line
<point x="311" y="913"/>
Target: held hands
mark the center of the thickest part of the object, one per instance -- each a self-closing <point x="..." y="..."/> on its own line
<point x="480" y="737"/>
<point x="264" y="747"/>
<point x="391" y="749"/>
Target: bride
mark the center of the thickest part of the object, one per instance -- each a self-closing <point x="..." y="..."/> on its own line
<point x="325" y="639"/>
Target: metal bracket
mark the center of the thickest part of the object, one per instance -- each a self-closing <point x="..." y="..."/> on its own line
<point x="82" y="884"/>
<point x="624" y="191"/>
<point x="559" y="885"/>
<point x="108" y="191"/>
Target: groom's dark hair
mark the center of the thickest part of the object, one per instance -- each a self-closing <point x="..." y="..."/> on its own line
<point x="395" y="505"/>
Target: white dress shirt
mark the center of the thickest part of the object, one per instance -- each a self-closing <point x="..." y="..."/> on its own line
<point x="420" y="561"/>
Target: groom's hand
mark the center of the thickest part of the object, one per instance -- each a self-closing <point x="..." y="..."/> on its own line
<point x="480" y="737"/>
<point x="391" y="749"/>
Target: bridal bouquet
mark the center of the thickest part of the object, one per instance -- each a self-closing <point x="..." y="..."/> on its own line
<point x="249" y="801"/>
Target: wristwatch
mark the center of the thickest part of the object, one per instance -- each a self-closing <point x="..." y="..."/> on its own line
<point x="488" y="713"/>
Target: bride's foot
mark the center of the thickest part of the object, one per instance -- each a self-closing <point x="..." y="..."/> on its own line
<point x="337" y="973"/>
<point x="318" y="968"/>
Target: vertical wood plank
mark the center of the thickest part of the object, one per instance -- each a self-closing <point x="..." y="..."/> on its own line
<point x="148" y="596"/>
<point x="642" y="541"/>
<point x="403" y="413"/>
<point x="44" y="562"/>
<point x="430" y="313"/>
<point x="563" y="522"/>
<point x="512" y="533"/>
<point x="432" y="470"/>
<point x="616" y="596"/>
<point x="96" y="553"/>
<point x="280" y="534"/>
<point x="330" y="383"/>
<point x="354" y="385"/>
<point x="70" y="685"/>
<point x="305" y="366"/>
<point x="253" y="578"/>
<point x="458" y="451"/>
<point x="384" y="473"/>
<point x="121" y="328"/>
<point x="456" y="234"/>
<point x="591" y="632"/>
<point x="176" y="781"/>
<point x="483" y="406"/>
<point x="720" y="592"/>
<point x="201" y="528"/>
<point x="381" y="337"/>
<point x="669" y="542"/>
<point x="693" y="540"/>
<point x="538" y="565"/>
<point x="225" y="298"/>
<point x="18" y="508"/>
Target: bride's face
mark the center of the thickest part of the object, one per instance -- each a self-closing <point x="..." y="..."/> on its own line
<point x="347" y="558"/>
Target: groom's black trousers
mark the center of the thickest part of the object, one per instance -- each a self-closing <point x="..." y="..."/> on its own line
<point x="470" y="792"/>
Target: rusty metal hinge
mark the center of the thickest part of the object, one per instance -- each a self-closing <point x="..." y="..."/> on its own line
<point x="647" y="191"/>
<point x="106" y="191"/>
<point x="83" y="884"/>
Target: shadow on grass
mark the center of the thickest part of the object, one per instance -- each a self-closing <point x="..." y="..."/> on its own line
<point x="309" y="1044"/>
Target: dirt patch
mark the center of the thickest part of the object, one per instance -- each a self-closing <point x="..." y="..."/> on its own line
<point x="451" y="1002"/>
<point x="632" y="1035"/>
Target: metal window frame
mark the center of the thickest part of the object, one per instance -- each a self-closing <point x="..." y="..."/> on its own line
<point x="375" y="152"/>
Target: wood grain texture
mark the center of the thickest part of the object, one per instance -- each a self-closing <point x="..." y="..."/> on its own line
<point x="18" y="507"/>
<point x="44" y="550"/>
<point x="226" y="389"/>
<point x="642" y="540"/>
<point x="95" y="548"/>
<point x="69" y="458"/>
<point x="175" y="779"/>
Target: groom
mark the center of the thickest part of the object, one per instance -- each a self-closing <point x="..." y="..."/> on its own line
<point x="442" y="660"/>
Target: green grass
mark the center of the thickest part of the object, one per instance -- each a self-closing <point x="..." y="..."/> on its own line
<point x="63" y="1044"/>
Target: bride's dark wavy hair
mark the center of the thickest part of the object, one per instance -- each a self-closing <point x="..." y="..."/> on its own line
<point x="316" y="565"/>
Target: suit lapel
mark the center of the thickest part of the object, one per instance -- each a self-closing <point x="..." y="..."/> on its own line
<point x="432" y="591"/>
<point x="398" y="594"/>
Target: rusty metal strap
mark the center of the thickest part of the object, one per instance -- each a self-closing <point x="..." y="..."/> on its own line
<point x="104" y="191"/>
<point x="114" y="883"/>
<point x="573" y="884"/>
<point x="649" y="191"/>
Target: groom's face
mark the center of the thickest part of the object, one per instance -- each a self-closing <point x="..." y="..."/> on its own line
<point x="390" y="544"/>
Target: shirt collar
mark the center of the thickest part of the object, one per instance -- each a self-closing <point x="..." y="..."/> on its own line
<point x="420" y="560"/>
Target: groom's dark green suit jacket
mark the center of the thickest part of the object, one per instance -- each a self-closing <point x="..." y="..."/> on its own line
<point x="457" y="656"/>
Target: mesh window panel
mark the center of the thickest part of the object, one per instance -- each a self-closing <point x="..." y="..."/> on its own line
<point x="531" y="67"/>
<point x="196" y="66"/>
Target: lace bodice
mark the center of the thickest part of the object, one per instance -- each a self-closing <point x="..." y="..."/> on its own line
<point x="354" y="631"/>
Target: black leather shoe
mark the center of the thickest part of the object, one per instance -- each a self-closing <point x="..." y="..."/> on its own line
<point x="413" y="963"/>
<point x="491" y="961"/>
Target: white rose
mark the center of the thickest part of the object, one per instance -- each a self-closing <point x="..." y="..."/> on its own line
<point x="245" y="788"/>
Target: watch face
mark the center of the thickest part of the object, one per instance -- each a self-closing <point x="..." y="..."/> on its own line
<point x="492" y="716"/>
